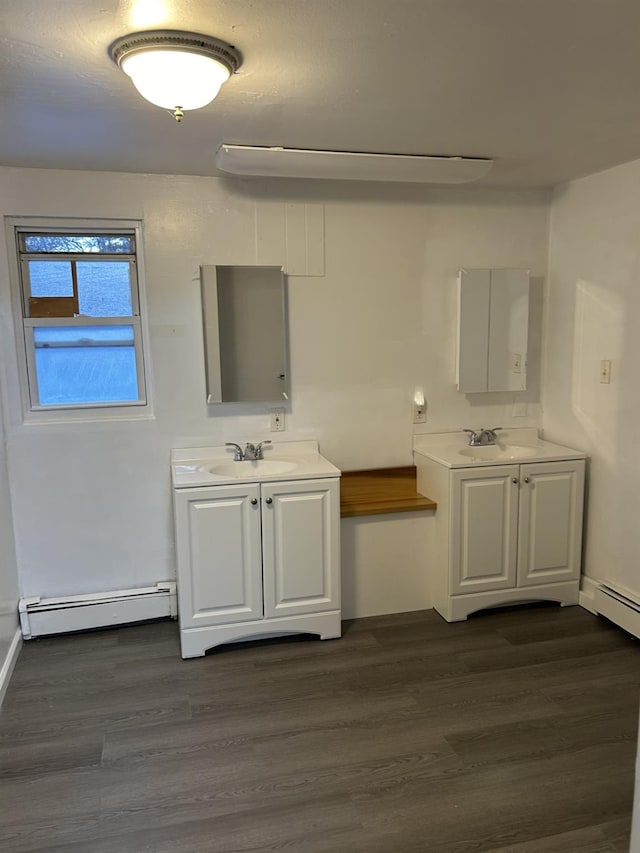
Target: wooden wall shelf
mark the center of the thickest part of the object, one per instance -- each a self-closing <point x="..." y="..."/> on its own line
<point x="378" y="491"/>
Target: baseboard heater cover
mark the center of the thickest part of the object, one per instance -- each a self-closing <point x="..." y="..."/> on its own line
<point x="617" y="607"/>
<point x="43" y="616"/>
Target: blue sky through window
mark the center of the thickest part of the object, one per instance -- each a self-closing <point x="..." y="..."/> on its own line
<point x="85" y="364"/>
<point x="104" y="289"/>
<point x="50" y="278"/>
<point x="120" y="244"/>
<point x="86" y="375"/>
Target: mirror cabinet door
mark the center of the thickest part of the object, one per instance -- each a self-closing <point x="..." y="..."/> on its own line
<point x="493" y="322"/>
<point x="244" y="316"/>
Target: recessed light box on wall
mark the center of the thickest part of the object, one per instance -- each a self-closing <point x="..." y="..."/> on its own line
<point x="251" y="160"/>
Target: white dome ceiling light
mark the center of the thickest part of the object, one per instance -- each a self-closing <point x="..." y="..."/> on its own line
<point x="176" y="70"/>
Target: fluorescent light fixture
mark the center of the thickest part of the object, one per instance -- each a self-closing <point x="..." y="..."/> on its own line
<point x="175" y="70"/>
<point x="348" y="165"/>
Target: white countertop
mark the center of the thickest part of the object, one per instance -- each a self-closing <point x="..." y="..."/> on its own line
<point x="189" y="465"/>
<point x="446" y="448"/>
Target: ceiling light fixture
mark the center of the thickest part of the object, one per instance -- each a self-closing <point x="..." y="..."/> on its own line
<point x="176" y="70"/>
<point x="348" y="165"/>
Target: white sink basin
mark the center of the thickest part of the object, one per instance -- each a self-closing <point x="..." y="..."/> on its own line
<point x="192" y="467"/>
<point x="496" y="451"/>
<point x="250" y="468"/>
<point x="521" y="444"/>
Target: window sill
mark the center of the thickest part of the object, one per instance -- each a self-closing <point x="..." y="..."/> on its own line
<point x="130" y="414"/>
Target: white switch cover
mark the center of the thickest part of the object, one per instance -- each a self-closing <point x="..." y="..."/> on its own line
<point x="605" y="371"/>
<point x="277" y="420"/>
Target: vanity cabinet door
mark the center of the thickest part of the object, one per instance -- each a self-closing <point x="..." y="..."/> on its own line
<point x="301" y="546"/>
<point x="219" y="555"/>
<point x="550" y="527"/>
<point x="483" y="528"/>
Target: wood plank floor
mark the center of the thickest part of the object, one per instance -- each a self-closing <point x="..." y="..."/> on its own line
<point x="513" y="732"/>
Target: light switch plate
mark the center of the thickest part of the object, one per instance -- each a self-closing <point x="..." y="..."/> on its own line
<point x="277" y="420"/>
<point x="605" y="371"/>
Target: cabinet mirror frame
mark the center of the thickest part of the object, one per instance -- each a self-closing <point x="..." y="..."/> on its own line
<point x="244" y="310"/>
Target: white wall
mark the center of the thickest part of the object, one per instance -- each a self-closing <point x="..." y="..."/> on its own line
<point x="592" y="312"/>
<point x="92" y="501"/>
<point x="385" y="560"/>
<point x="8" y="571"/>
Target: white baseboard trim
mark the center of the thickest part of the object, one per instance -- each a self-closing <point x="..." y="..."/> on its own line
<point x="619" y="609"/>
<point x="617" y="605"/>
<point x="9" y="663"/>
<point x="587" y="598"/>
<point x="45" y="616"/>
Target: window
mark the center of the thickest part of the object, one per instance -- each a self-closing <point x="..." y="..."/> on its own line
<point x="81" y="318"/>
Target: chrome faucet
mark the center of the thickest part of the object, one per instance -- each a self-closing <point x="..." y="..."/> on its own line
<point x="482" y="437"/>
<point x="251" y="451"/>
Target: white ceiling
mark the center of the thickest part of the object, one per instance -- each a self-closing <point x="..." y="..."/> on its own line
<point x="550" y="89"/>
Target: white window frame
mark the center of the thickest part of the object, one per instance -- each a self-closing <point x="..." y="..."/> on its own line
<point x="23" y="325"/>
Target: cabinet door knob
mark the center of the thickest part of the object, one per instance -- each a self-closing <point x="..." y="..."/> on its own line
<point x="526" y="479"/>
<point x="254" y="501"/>
<point x="269" y="500"/>
<point x="514" y="480"/>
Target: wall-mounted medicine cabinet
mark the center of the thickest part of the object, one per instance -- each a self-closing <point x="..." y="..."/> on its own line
<point x="245" y="332"/>
<point x="493" y="323"/>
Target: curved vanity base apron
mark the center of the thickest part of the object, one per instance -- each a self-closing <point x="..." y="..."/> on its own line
<point x="195" y="641"/>
<point x="458" y="607"/>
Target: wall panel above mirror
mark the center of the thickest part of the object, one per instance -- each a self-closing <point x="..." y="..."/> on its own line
<point x="245" y="331"/>
<point x="493" y="323"/>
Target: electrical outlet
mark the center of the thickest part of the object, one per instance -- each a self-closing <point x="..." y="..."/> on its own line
<point x="419" y="413"/>
<point x="277" y="420"/>
<point x="605" y="371"/>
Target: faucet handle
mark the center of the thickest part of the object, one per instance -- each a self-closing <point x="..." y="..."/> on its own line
<point x="238" y="456"/>
<point x="474" y="436"/>
<point x="258" y="448"/>
<point x="490" y="435"/>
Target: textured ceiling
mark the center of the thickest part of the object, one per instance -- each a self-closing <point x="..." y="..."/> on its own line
<point x="547" y="88"/>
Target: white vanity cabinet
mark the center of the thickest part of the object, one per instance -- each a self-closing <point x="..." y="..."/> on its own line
<point x="257" y="559"/>
<point x="506" y="533"/>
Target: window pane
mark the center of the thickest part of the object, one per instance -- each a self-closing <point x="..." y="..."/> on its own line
<point x="104" y="289"/>
<point x="85" y="364"/>
<point x="50" y="278"/>
<point x="74" y="243"/>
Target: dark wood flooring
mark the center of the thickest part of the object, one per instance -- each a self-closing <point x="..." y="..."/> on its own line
<point x="513" y="732"/>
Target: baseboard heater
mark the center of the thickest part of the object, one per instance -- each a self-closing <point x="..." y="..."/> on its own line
<point x="42" y="616"/>
<point x="622" y="610"/>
